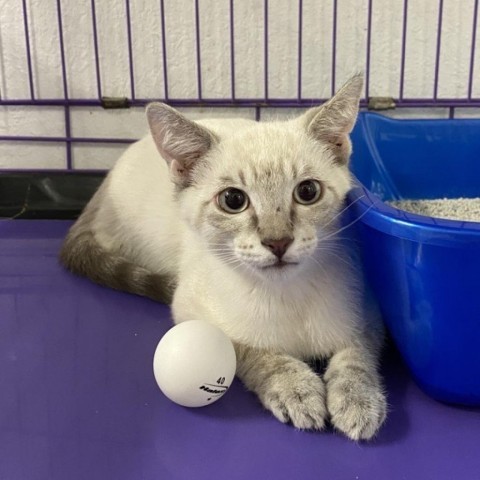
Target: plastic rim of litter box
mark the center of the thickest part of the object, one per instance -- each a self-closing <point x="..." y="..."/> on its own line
<point x="372" y="211"/>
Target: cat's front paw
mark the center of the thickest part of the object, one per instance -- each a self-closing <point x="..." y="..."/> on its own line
<point x="356" y="403"/>
<point x="296" y="395"/>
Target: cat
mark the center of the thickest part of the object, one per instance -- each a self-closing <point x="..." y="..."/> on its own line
<point x="238" y="223"/>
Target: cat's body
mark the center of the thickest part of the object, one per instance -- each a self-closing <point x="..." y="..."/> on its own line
<point x="271" y="272"/>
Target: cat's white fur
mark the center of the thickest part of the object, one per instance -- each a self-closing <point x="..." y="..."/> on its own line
<point x="311" y="315"/>
<point x="164" y="217"/>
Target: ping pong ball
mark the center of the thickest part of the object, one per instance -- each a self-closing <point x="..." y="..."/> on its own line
<point x="194" y="363"/>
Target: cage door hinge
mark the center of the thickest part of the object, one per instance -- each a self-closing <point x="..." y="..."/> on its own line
<point x="115" y="102"/>
<point x="381" y="103"/>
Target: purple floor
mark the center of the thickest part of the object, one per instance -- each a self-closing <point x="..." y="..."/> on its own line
<point x="78" y="399"/>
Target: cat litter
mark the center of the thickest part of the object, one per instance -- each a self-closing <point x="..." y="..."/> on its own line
<point x="463" y="209"/>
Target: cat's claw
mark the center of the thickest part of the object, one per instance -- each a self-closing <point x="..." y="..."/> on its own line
<point x="297" y="398"/>
<point x="357" y="407"/>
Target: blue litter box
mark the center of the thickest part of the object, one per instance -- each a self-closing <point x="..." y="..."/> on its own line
<point x="425" y="271"/>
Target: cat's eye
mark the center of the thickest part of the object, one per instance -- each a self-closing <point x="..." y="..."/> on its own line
<point x="232" y="200"/>
<point x="307" y="192"/>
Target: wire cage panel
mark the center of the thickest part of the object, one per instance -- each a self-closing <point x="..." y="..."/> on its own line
<point x="65" y="65"/>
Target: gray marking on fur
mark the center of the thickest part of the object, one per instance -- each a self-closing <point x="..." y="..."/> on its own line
<point x="255" y="173"/>
<point x="242" y="178"/>
<point x="331" y="189"/>
<point x="294" y="171"/>
<point x="293" y="215"/>
<point x="355" y="397"/>
<point x="217" y="218"/>
<point x="254" y="220"/>
<point x="82" y="255"/>
<point x="227" y="180"/>
<point x="275" y="225"/>
<point x="286" y="386"/>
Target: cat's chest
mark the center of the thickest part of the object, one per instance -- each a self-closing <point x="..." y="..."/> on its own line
<point x="307" y="326"/>
<point x="304" y="321"/>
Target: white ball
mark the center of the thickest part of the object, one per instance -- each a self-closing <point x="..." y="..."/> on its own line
<point x="194" y="363"/>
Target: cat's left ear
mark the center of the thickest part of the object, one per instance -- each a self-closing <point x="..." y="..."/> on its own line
<point x="180" y="141"/>
<point x="332" y="122"/>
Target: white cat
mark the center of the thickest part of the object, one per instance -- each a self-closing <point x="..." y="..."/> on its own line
<point x="239" y="221"/>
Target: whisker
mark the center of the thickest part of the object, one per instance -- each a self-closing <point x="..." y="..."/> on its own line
<point x="346" y="226"/>
<point x="333" y="244"/>
<point x="227" y="257"/>
<point x="318" y="264"/>
<point x="341" y="211"/>
<point x="336" y="255"/>
<point x="233" y="265"/>
<point x="221" y="250"/>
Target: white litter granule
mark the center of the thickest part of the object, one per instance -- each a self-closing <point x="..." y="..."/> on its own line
<point x="463" y="209"/>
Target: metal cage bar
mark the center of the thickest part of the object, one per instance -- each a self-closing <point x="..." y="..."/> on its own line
<point x="68" y="142"/>
<point x="369" y="46"/>
<point x="404" y="47"/>
<point x="305" y="102"/>
<point x="202" y="100"/>
<point x="95" y="49"/>
<point x="437" y="53"/>
<point x="28" y="51"/>
<point x="198" y="48"/>
<point x="232" y="49"/>
<point x="334" y="47"/>
<point x="265" y="47"/>
<point x="166" y="49"/>
<point x="472" y="50"/>
<point x="299" y="62"/>
<point x="130" y="49"/>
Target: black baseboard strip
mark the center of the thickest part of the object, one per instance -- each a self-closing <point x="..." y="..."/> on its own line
<point x="49" y="195"/>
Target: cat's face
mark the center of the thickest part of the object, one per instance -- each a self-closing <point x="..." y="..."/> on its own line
<point x="265" y="199"/>
<point x="262" y="197"/>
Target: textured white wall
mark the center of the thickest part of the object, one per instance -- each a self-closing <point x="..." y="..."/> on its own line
<point x="215" y="59"/>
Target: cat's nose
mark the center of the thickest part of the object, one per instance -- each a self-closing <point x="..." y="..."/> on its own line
<point x="278" y="246"/>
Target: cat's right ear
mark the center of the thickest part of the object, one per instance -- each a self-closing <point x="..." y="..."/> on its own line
<point x="180" y="141"/>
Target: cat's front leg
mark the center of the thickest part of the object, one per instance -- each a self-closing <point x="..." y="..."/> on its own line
<point x="286" y="386"/>
<point x="355" y="396"/>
